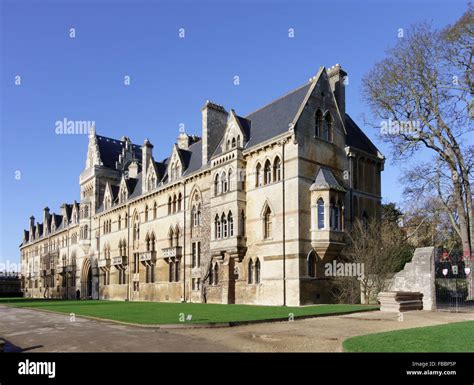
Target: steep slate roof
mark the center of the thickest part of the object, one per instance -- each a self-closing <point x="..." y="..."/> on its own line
<point x="110" y="149"/>
<point x="194" y="161"/>
<point x="325" y="179"/>
<point x="275" y="118"/>
<point x="356" y="137"/>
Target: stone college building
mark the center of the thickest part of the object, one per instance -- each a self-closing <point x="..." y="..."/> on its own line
<point x="247" y="213"/>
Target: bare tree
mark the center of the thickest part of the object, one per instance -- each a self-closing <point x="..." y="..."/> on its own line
<point x="425" y="84"/>
<point x="381" y="247"/>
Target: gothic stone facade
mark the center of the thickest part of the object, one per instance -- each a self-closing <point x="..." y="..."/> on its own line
<point x="247" y="213"/>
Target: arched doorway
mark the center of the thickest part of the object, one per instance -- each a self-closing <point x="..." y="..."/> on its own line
<point x="86" y="279"/>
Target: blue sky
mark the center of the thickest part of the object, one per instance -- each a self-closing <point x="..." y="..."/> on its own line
<point x="170" y="77"/>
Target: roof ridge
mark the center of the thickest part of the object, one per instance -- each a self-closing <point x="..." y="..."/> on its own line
<point x="278" y="99"/>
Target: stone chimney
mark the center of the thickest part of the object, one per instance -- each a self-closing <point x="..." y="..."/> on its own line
<point x="337" y="78"/>
<point x="214" y="121"/>
<point x="147" y="156"/>
<point x="32" y="227"/>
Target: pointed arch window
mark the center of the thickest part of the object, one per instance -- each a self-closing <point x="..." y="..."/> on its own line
<point x="234" y="143"/>
<point x="155" y="210"/>
<point x="267" y="223"/>
<point x="267" y="173"/>
<point x="224" y="182"/>
<point x="258" y="175"/>
<point x="257" y="271"/>
<point x="327" y="127"/>
<point x="217" y="227"/>
<point x="242" y="223"/>
<point x="229" y="180"/>
<point x="230" y="220"/>
<point x="180" y="199"/>
<point x="277" y="169"/>
<point x="224" y="226"/>
<point x="311" y="265"/>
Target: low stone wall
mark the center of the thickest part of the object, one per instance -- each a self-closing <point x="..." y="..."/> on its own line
<point x="418" y="276"/>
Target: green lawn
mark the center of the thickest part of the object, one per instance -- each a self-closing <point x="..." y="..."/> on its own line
<point x="455" y="337"/>
<point x="169" y="313"/>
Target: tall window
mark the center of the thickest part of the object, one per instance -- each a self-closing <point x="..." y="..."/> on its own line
<point x="267" y="219"/>
<point x="257" y="271"/>
<point x="180" y="199"/>
<point x="224" y="226"/>
<point x="258" y="175"/>
<point x="196" y="254"/>
<point x="234" y="143"/>
<point x="250" y="272"/>
<point x="335" y="216"/>
<point x="155" y="210"/>
<point x="311" y="265"/>
<point x="267" y="173"/>
<point x="217" y="227"/>
<point x="170" y="203"/>
<point x="242" y="223"/>
<point x="224" y="183"/>
<point x="277" y="169"/>
<point x="230" y="221"/>
<point x="146" y="213"/>
<point x="320" y="208"/>
<point x="229" y="180"/>
<point x="327" y="127"/>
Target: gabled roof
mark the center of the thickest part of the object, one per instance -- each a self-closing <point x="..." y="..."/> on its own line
<point x="275" y="118"/>
<point x="325" y="180"/>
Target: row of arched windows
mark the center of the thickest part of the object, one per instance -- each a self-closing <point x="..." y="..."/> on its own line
<point x="233" y="143"/>
<point x="223" y="182"/>
<point x="253" y="273"/>
<point x="223" y="226"/>
<point x="174" y="203"/>
<point x="271" y="172"/>
<point x="150" y="242"/>
<point x="323" y="127"/>
<point x="173" y="237"/>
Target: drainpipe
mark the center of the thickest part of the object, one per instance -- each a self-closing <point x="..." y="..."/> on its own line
<point x="284" y="221"/>
<point x="184" y="241"/>
<point x="98" y="257"/>
<point x="128" y="253"/>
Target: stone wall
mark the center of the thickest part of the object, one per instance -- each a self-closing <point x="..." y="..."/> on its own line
<point x="418" y="276"/>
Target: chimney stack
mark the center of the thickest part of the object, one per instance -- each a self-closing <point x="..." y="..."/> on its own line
<point x="214" y="122"/>
<point x="337" y="78"/>
<point x="147" y="157"/>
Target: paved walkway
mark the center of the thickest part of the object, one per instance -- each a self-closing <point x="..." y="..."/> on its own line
<point x="37" y="331"/>
<point x="31" y="330"/>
